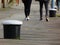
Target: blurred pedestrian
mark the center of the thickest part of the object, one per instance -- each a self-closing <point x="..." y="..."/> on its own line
<point x="58" y="4"/>
<point x="46" y="3"/>
<point x="27" y="6"/>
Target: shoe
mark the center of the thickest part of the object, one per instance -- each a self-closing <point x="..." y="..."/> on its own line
<point x="27" y="18"/>
<point x="47" y="19"/>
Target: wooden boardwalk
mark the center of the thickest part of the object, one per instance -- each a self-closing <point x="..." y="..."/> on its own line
<point x="35" y="32"/>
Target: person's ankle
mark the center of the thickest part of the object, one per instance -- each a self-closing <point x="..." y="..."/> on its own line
<point x="47" y="19"/>
<point x="27" y="18"/>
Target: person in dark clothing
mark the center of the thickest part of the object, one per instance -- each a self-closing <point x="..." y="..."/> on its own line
<point x="45" y="2"/>
<point x="57" y="4"/>
<point x="27" y="6"/>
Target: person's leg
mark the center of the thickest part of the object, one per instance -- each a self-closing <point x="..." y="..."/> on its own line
<point x="41" y="6"/>
<point x="27" y="8"/>
<point x="46" y="8"/>
<point x="58" y="5"/>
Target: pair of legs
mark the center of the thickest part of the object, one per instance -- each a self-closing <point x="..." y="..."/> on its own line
<point x="27" y="6"/>
<point x="57" y="3"/>
<point x="41" y="9"/>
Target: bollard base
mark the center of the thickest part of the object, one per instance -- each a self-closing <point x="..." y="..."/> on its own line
<point x="11" y="31"/>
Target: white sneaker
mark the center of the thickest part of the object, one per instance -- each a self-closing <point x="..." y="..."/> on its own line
<point x="27" y="18"/>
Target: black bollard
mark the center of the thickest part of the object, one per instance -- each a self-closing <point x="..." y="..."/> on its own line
<point x="52" y="13"/>
<point x="12" y="29"/>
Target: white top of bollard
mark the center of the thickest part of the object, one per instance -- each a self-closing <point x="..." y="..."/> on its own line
<point x="16" y="22"/>
<point x="52" y="9"/>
